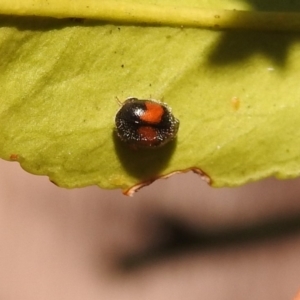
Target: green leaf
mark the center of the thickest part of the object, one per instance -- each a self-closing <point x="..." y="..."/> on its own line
<point x="236" y="94"/>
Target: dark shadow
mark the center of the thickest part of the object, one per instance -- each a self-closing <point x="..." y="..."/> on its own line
<point x="180" y="239"/>
<point x="143" y="163"/>
<point x="36" y="23"/>
<point x="235" y="46"/>
<point x="275" y="5"/>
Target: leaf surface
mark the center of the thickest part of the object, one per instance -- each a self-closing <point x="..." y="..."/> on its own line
<point x="236" y="94"/>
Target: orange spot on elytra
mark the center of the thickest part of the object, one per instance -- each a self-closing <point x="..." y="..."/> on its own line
<point x="148" y="133"/>
<point x="153" y="113"/>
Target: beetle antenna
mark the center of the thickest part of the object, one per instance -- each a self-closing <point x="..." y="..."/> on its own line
<point x="119" y="102"/>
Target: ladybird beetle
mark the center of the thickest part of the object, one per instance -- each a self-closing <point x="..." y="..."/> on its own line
<point x="145" y="123"/>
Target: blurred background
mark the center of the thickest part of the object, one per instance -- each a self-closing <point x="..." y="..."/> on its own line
<point x="175" y="239"/>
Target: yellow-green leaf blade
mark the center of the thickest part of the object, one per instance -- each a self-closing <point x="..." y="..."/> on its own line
<point x="236" y="95"/>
